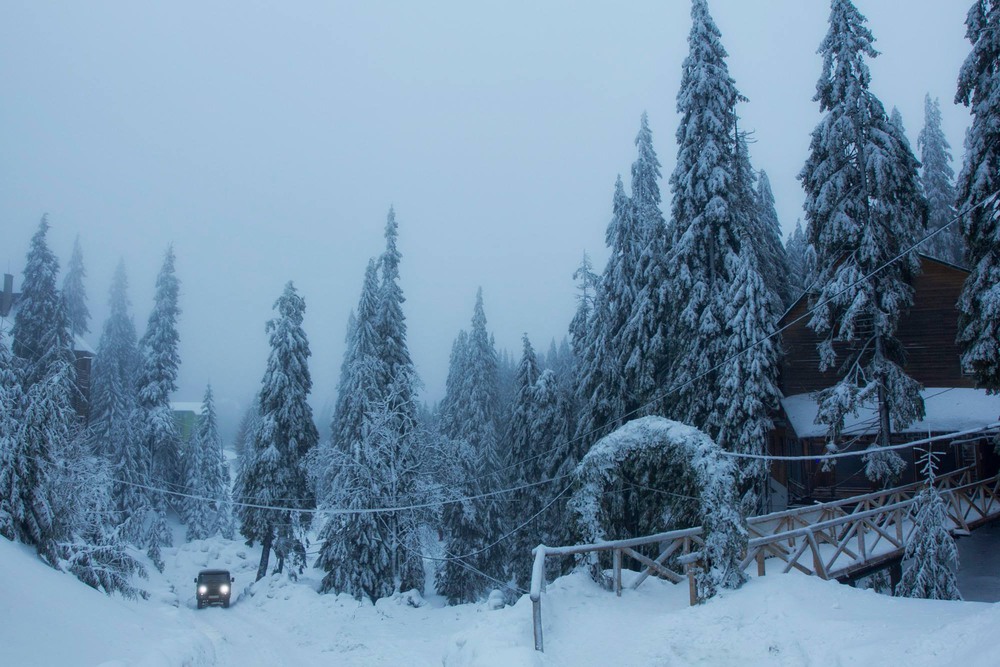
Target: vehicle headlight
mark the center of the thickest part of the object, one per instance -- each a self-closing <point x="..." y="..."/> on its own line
<point x="224" y="589"/>
<point x="202" y="589"/>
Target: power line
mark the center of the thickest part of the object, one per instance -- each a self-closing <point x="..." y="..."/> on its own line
<point x="986" y="430"/>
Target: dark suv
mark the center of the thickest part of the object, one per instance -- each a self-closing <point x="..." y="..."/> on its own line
<point x="214" y="587"/>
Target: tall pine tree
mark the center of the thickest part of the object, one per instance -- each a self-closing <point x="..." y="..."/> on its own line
<point x="159" y="362"/>
<point x="979" y="303"/>
<point x="937" y="179"/>
<point x="471" y="526"/>
<point x="40" y="335"/>
<point x="705" y="206"/>
<point x="773" y="260"/>
<point x="115" y="425"/>
<point x="74" y="295"/>
<point x="864" y="207"/>
<point x="273" y="475"/>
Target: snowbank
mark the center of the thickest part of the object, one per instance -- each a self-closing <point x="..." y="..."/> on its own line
<point x="50" y="618"/>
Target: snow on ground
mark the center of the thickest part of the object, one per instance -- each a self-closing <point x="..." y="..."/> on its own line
<point x="48" y="618"/>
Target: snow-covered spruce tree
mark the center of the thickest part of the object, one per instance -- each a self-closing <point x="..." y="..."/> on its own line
<point x="204" y="474"/>
<point x="773" y="260"/>
<point x="74" y="295"/>
<point x="48" y="423"/>
<point x="582" y="322"/>
<point x="471" y="526"/>
<point x="979" y="303"/>
<point x="931" y="552"/>
<point x="602" y="384"/>
<point x="89" y="546"/>
<point x="643" y="342"/>
<point x="40" y="335"/>
<point x="353" y="553"/>
<point x="159" y="361"/>
<point x="896" y="118"/>
<point x="523" y="446"/>
<point x="274" y="475"/>
<point x="11" y="411"/>
<point x="705" y="211"/>
<point x="863" y="206"/>
<point x="395" y="443"/>
<point x="375" y="459"/>
<point x="937" y="179"/>
<point x="748" y="391"/>
<point x="115" y="421"/>
<point x="801" y="263"/>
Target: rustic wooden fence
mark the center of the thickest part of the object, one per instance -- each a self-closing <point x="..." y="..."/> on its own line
<point x="835" y="540"/>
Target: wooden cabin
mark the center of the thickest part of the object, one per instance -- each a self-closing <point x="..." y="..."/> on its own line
<point x="83" y="353"/>
<point x="952" y="402"/>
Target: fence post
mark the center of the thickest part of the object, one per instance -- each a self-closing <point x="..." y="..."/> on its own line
<point x="616" y="557"/>
<point x="537" y="585"/>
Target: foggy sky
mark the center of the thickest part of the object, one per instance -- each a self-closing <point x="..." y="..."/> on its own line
<point x="267" y="141"/>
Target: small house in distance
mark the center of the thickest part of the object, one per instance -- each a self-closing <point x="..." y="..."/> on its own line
<point x="927" y="333"/>
<point x="187" y="416"/>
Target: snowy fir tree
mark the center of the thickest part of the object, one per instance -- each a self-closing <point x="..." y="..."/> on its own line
<point x="896" y="118"/>
<point x="273" y="475"/>
<point x="48" y="424"/>
<point x="748" y="380"/>
<point x="705" y="208"/>
<point x="205" y="468"/>
<point x="801" y="263"/>
<point x="931" y="553"/>
<point x="159" y="361"/>
<point x="375" y="452"/>
<point x="40" y="335"/>
<point x="773" y="260"/>
<point x="74" y="295"/>
<point x="540" y="451"/>
<point x="469" y="420"/>
<point x="11" y="409"/>
<point x="643" y="342"/>
<point x="394" y="443"/>
<point x="937" y="179"/>
<point x="524" y="447"/>
<point x="978" y="184"/>
<point x="581" y="323"/>
<point x="863" y="206"/>
<point x="602" y="387"/>
<point x="115" y="422"/>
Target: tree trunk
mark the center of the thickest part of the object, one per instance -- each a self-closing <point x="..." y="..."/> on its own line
<point x="265" y="554"/>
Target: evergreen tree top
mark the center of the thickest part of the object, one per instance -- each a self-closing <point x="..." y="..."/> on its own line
<point x="646" y="173"/>
<point x="845" y="73"/>
<point x="159" y="343"/>
<point x="73" y="293"/>
<point x="40" y="309"/>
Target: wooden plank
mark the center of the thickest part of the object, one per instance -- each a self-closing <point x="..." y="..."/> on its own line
<point x="653" y="565"/>
<point x="674" y="546"/>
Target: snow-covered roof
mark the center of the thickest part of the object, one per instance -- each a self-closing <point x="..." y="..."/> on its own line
<point x="186" y="406"/>
<point x="80" y="345"/>
<point x="948" y="409"/>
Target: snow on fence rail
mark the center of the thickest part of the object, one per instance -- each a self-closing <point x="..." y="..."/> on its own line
<point x="835" y="540"/>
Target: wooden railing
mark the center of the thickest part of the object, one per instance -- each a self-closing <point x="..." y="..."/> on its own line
<point x="835" y="540"/>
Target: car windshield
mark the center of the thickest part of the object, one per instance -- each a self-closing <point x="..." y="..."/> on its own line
<point x="213" y="578"/>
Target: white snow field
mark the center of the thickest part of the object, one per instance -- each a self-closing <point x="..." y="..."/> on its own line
<point x="49" y="618"/>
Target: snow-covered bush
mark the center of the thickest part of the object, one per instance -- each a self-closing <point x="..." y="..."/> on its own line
<point x="688" y="482"/>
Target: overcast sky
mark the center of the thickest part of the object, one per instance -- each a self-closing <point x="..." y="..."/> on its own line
<point x="267" y="140"/>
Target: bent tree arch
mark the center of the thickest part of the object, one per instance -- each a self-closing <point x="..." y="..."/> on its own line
<point x="654" y="475"/>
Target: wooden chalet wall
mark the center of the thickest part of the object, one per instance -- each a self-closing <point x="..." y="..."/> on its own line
<point x="927" y="333"/>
